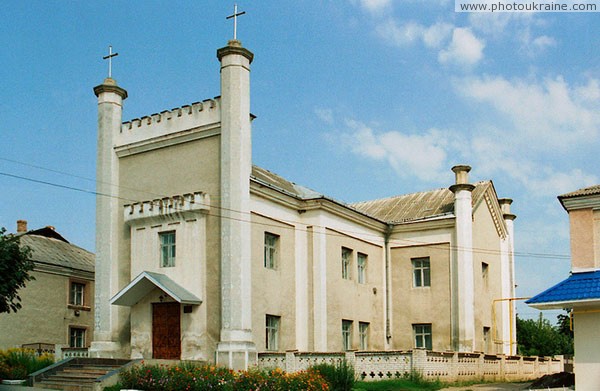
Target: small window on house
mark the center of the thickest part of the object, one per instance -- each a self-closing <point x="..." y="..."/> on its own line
<point x="486" y="340"/>
<point x="271" y="250"/>
<point x="422" y="333"/>
<point x="363" y="333"/>
<point x="421" y="272"/>
<point x="77" y="294"/>
<point x="272" y="332"/>
<point x="361" y="262"/>
<point x="346" y="334"/>
<point x="346" y="263"/>
<point x="77" y="337"/>
<point x="167" y="249"/>
<point x="484" y="272"/>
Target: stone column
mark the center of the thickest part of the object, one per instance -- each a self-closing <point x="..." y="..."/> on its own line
<point x="236" y="348"/>
<point x="110" y="112"/>
<point x="465" y="304"/>
<point x="509" y="322"/>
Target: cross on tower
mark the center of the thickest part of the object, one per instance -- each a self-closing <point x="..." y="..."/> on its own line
<point x="109" y="58"/>
<point x="234" y="16"/>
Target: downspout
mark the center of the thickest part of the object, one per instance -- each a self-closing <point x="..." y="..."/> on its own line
<point x="388" y="280"/>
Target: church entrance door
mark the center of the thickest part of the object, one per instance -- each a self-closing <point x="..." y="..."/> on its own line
<point x="166" y="331"/>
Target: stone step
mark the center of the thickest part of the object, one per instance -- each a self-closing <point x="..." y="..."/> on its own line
<point x="65" y="386"/>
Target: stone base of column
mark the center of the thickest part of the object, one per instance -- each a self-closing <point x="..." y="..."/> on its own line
<point x="237" y="355"/>
<point x="106" y="349"/>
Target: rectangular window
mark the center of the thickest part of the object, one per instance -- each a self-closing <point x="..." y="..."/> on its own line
<point x="272" y="332"/>
<point x="484" y="272"/>
<point x="422" y="333"/>
<point x="347" y="334"/>
<point x="77" y="337"/>
<point x="167" y="249"/>
<point x="77" y="294"/>
<point x="363" y="331"/>
<point x="271" y="250"/>
<point x="361" y="262"/>
<point x="421" y="272"/>
<point x="486" y="340"/>
<point x="346" y="263"/>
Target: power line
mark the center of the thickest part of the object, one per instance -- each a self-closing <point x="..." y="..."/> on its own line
<point x="398" y="242"/>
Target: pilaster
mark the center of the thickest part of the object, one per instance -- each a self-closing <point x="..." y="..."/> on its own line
<point x="236" y="348"/>
<point x="465" y="289"/>
<point x="110" y="111"/>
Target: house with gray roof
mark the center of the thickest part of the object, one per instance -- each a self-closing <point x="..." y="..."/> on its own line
<point x="57" y="305"/>
<point x="580" y="292"/>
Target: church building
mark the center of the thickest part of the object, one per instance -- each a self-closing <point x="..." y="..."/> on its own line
<point x="202" y="256"/>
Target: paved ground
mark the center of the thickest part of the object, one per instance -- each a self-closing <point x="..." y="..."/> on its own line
<point x="4" y="387"/>
<point x="500" y="386"/>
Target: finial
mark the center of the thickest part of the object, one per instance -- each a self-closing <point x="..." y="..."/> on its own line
<point x="234" y="16"/>
<point x="109" y="58"/>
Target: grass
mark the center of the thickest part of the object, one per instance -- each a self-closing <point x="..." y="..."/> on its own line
<point x="396" y="385"/>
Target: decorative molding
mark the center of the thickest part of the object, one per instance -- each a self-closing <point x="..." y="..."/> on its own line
<point x="179" y="207"/>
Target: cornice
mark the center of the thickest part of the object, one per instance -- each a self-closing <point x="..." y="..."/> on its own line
<point x="581" y="202"/>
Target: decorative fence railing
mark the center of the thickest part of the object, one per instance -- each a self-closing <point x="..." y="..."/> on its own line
<point x="445" y="366"/>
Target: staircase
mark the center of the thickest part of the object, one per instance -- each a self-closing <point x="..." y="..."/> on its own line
<point x="79" y="374"/>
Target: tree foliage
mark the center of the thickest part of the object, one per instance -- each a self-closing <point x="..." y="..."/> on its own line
<point x="541" y="338"/>
<point x="15" y="265"/>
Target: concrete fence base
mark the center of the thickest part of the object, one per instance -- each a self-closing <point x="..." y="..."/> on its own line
<point x="445" y="366"/>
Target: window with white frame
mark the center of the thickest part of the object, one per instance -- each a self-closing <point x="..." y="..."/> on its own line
<point x="346" y="263"/>
<point x="421" y="272"/>
<point x="422" y="333"/>
<point x="346" y="334"/>
<point x="363" y="333"/>
<point x="272" y="332"/>
<point x="77" y="294"/>
<point x="77" y="337"/>
<point x="361" y="262"/>
<point x="271" y="250"/>
<point x="167" y="248"/>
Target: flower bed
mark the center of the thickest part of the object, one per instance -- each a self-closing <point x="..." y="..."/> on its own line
<point x="16" y="364"/>
<point x="188" y="376"/>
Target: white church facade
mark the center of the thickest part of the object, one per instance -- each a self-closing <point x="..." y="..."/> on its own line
<point x="202" y="256"/>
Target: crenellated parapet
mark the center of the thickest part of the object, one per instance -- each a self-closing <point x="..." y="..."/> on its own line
<point x="177" y="207"/>
<point x="196" y="117"/>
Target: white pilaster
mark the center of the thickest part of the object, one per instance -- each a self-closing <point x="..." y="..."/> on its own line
<point x="319" y="256"/>
<point x="110" y="110"/>
<point x="509" y="326"/>
<point x="463" y="211"/>
<point x="236" y="348"/>
<point x="301" y="284"/>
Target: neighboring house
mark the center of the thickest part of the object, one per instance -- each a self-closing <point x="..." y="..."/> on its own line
<point x="57" y="306"/>
<point x="581" y="291"/>
<point x="201" y="255"/>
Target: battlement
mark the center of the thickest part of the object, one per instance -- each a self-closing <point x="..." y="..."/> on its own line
<point x="197" y="116"/>
<point x="168" y="208"/>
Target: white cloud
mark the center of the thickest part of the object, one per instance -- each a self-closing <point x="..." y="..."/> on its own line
<point x="464" y="49"/>
<point x="412" y="32"/>
<point x="542" y="42"/>
<point x="375" y="5"/>
<point x="411" y="155"/>
<point x="547" y="115"/>
<point x="325" y="115"/>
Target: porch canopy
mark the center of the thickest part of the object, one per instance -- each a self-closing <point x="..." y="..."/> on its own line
<point x="145" y="282"/>
<point x="581" y="289"/>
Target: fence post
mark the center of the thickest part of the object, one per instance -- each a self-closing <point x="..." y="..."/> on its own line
<point x="290" y="361"/>
<point x="419" y="361"/>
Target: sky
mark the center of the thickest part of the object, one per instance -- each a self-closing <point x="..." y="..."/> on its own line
<point x="356" y="99"/>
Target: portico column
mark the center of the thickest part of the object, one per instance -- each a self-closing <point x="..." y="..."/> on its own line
<point x="509" y="327"/>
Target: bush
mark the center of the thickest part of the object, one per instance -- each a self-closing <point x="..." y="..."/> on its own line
<point x="18" y="363"/>
<point x="197" y="377"/>
<point x="339" y="377"/>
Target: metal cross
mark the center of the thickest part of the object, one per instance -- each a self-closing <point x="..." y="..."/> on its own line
<point x="109" y="58"/>
<point x="234" y="16"/>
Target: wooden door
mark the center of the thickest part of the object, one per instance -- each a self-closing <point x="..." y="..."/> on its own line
<point x="166" y="331"/>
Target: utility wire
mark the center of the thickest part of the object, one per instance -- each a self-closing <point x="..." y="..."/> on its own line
<point x="398" y="242"/>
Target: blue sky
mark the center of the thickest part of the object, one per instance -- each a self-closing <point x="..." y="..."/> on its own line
<point x="357" y="99"/>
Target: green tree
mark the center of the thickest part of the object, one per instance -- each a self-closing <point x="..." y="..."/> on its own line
<point x="541" y="338"/>
<point x="15" y="265"/>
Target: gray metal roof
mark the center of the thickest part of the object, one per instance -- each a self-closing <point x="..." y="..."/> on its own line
<point x="416" y="206"/>
<point x="145" y="282"/>
<point x="397" y="209"/>
<point x="53" y="251"/>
